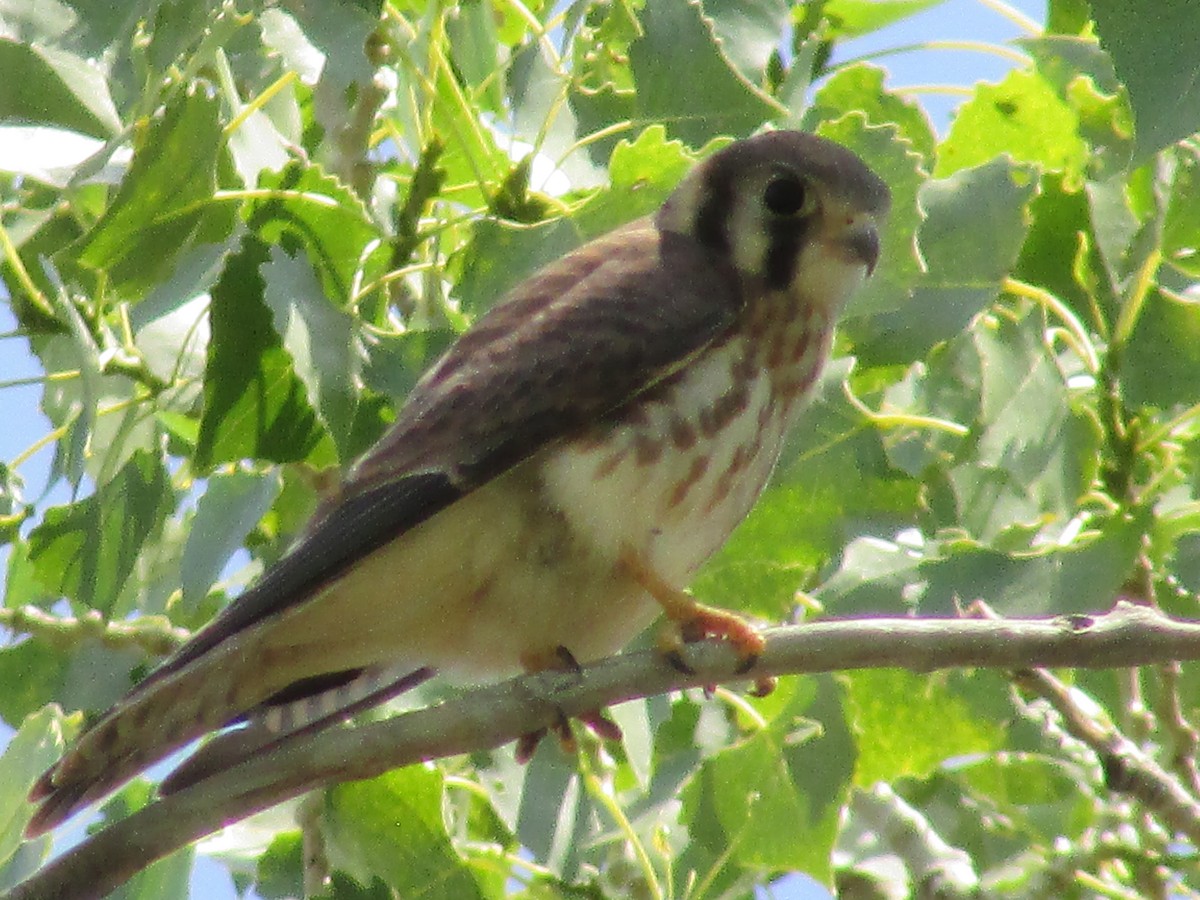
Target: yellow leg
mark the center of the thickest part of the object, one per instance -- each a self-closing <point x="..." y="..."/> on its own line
<point x="688" y="619"/>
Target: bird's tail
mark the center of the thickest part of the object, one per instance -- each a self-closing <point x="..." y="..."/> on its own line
<point x="152" y="723"/>
<point x="277" y="722"/>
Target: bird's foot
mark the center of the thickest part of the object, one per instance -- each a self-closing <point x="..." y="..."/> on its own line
<point x="689" y="620"/>
<point x="597" y="721"/>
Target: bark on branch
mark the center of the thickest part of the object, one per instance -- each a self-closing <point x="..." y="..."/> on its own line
<point x="490" y="716"/>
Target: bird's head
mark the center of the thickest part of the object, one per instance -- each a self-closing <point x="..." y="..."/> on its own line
<point x="791" y="211"/>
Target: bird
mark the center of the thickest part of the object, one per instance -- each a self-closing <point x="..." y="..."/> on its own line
<point x="550" y="485"/>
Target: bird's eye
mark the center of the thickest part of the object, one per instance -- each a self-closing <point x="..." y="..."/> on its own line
<point x="785" y="195"/>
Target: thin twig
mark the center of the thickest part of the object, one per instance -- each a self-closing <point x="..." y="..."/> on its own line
<point x="1127" y="770"/>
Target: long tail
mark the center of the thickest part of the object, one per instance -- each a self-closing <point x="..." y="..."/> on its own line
<point x="208" y="693"/>
<point x="276" y="723"/>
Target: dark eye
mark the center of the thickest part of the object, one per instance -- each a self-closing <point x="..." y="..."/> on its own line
<point x="785" y="195"/>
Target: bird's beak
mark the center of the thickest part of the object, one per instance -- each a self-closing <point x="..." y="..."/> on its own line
<point x="861" y="240"/>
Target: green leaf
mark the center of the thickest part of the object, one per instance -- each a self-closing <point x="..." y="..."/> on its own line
<point x="855" y="18"/>
<point x="1082" y="75"/>
<point x="859" y="88"/>
<point x="254" y="405"/>
<point x="1181" y="230"/>
<point x="308" y="205"/>
<point x="226" y="512"/>
<point x="908" y="724"/>
<point x="279" y="874"/>
<point x="1161" y="366"/>
<point x="975" y="223"/>
<point x="1153" y="52"/>
<point x="1029" y="457"/>
<point x="50" y="86"/>
<point x="392" y="827"/>
<point x="879" y="577"/>
<point x="1059" y="215"/>
<point x="643" y="173"/>
<point x="323" y="342"/>
<point x="86" y="550"/>
<point x="759" y="802"/>
<point x="164" y="200"/>
<point x="1040" y="795"/>
<point x="748" y="32"/>
<point x="678" y="38"/>
<point x="1021" y="116"/>
<point x="37" y="744"/>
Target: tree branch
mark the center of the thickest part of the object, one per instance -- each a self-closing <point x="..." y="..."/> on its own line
<point x="494" y="715"/>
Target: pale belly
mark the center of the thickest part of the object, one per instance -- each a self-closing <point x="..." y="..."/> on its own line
<point x="532" y="561"/>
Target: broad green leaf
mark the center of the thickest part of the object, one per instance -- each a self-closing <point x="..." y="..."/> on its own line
<point x="279" y="874"/>
<point x="1029" y="457"/>
<point x="32" y="672"/>
<point x="396" y="362"/>
<point x="880" y="577"/>
<point x="475" y="48"/>
<point x="859" y="88"/>
<point x="975" y="222"/>
<point x="760" y="802"/>
<point x="1039" y="794"/>
<point x="164" y="200"/>
<point x="678" y="38"/>
<point x="854" y="18"/>
<point x="308" y="205"/>
<point x="643" y="173"/>
<point x="1161" y="366"/>
<point x="1082" y="74"/>
<point x="228" y="509"/>
<point x="322" y="341"/>
<point x="1153" y="52"/>
<point x="49" y="155"/>
<point x="38" y="743"/>
<point x="748" y="31"/>
<point x="1060" y="219"/>
<point x="340" y="29"/>
<point x="254" y="405"/>
<point x="86" y="550"/>
<point x="392" y="827"/>
<point x="48" y="86"/>
<point x="1021" y="116"/>
<point x="1181" y="230"/>
<point x="907" y="724"/>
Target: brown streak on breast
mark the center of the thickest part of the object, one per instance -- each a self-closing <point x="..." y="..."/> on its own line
<point x="685" y="484"/>
<point x="646" y="449"/>
<point x="725" y="409"/>
<point x="609" y="464"/>
<point x="737" y="463"/>
<point x="683" y="435"/>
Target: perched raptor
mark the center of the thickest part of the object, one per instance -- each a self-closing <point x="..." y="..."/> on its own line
<point x="552" y="483"/>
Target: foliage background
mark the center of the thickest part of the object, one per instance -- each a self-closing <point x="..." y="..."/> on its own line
<point x="265" y="220"/>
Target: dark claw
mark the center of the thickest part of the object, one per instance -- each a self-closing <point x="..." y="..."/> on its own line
<point x="602" y="726"/>
<point x="746" y="664"/>
<point x="567" y="658"/>
<point x="764" y="686"/>
<point x="675" y="659"/>
<point x="527" y="744"/>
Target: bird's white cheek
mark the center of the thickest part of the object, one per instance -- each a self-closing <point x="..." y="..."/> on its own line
<point x="828" y="279"/>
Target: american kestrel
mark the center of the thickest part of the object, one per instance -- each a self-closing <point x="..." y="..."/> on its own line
<point x="553" y="482"/>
